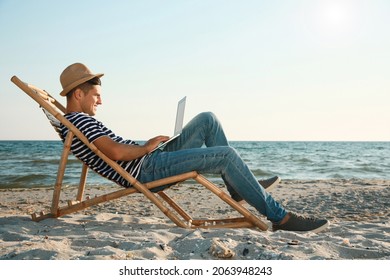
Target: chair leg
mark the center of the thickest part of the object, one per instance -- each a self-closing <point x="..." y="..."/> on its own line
<point x="83" y="180"/>
<point x="175" y="206"/>
<point x="247" y="219"/>
<point x="61" y="173"/>
<point x="205" y="223"/>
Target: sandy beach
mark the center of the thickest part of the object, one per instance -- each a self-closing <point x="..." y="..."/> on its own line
<point x="131" y="228"/>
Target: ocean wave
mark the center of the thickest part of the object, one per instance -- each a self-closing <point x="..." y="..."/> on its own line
<point x="26" y="181"/>
<point x="28" y="178"/>
<point x="262" y="173"/>
<point x="304" y="160"/>
<point x="25" y="186"/>
<point x="51" y="161"/>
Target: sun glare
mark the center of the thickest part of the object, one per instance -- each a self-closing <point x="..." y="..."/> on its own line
<point x="336" y="15"/>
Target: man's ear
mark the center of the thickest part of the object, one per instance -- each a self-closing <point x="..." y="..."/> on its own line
<point x="78" y="94"/>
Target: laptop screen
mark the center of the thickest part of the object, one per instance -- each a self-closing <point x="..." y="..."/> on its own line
<point x="180" y="116"/>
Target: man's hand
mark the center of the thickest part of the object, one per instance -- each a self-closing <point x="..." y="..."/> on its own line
<point x="154" y="142"/>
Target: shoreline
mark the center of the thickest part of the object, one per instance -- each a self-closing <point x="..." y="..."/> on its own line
<point x="133" y="228"/>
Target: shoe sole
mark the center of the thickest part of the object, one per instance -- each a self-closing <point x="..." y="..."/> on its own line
<point x="316" y="230"/>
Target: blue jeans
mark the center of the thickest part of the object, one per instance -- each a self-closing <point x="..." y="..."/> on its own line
<point x="187" y="153"/>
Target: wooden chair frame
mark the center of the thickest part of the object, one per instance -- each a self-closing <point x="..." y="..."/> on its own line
<point x="178" y="216"/>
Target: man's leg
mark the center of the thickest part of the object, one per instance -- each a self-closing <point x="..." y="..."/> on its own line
<point x="203" y="130"/>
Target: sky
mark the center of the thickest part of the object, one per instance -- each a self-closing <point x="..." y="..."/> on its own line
<point x="302" y="70"/>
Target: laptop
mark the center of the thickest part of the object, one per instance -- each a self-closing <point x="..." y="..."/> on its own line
<point x="178" y="123"/>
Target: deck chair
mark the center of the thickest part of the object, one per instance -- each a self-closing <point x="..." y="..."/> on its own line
<point x="55" y="113"/>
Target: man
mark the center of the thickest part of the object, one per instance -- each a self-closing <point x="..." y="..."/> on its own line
<point x="82" y="89"/>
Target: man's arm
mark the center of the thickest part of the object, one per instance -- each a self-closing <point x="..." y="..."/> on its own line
<point x="119" y="151"/>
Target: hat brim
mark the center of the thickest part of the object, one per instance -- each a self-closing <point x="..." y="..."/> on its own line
<point x="66" y="90"/>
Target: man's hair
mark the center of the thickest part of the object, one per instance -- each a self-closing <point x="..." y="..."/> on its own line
<point x="86" y="87"/>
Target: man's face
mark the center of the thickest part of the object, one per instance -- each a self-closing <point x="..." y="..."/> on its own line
<point x="91" y="100"/>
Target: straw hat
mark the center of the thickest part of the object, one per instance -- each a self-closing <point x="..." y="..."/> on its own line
<point x="74" y="75"/>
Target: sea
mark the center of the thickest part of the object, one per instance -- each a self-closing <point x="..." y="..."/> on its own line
<point x="34" y="164"/>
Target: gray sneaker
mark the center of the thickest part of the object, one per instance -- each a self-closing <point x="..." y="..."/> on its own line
<point x="300" y="223"/>
<point x="270" y="183"/>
